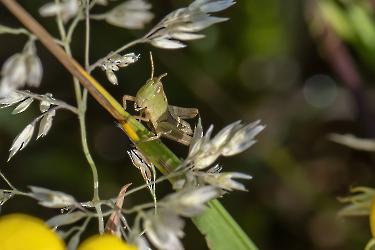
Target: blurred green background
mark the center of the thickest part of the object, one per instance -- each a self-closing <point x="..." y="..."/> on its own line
<point x="305" y="68"/>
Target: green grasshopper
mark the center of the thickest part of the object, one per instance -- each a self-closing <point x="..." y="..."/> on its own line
<point x="166" y="120"/>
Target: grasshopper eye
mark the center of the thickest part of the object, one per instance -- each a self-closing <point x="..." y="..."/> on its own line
<point x="159" y="89"/>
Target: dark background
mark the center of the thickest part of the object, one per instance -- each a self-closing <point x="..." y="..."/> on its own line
<point x="279" y="61"/>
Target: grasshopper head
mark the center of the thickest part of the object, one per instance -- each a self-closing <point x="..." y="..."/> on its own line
<point x="149" y="91"/>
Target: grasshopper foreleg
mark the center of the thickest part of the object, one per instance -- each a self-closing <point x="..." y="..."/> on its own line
<point x="140" y="117"/>
<point x="127" y="98"/>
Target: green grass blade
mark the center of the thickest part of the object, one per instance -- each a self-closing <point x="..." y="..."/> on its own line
<point x="220" y="229"/>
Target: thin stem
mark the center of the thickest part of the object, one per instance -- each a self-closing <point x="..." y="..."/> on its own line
<point x="84" y="225"/>
<point x="98" y="16"/>
<point x="60" y="22"/>
<point x="99" y="212"/>
<point x="5" y="29"/>
<point x="77" y="87"/>
<point x="15" y="192"/>
<point x="87" y="36"/>
<point x="99" y="62"/>
<point x="126" y="224"/>
<point x="137" y="221"/>
<point x="6" y="180"/>
<point x="82" y="124"/>
<point x="61" y="104"/>
<point x="84" y="96"/>
<point x="153" y="192"/>
<point x="70" y="231"/>
<point x="67" y="39"/>
<point x="73" y="26"/>
<point x="138" y="208"/>
<point x="81" y="101"/>
<point x="58" y="41"/>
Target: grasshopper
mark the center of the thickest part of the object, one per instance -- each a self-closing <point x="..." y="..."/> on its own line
<point x="166" y="120"/>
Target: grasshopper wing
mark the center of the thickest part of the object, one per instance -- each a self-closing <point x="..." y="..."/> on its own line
<point x="185" y="127"/>
<point x="183" y="113"/>
<point x="174" y="133"/>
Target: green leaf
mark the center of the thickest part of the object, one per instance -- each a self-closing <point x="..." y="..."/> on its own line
<point x="363" y="25"/>
<point x="220" y="229"/>
<point x="337" y="17"/>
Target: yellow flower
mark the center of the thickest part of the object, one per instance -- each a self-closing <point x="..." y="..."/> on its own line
<point x="371" y="243"/>
<point x="372" y="218"/>
<point x="22" y="231"/>
<point x="106" y="241"/>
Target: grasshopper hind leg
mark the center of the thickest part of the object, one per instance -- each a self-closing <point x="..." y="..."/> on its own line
<point x="175" y="133"/>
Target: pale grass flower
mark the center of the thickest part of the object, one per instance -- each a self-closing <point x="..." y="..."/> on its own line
<point x="20" y="69"/>
<point x="243" y="139"/>
<point x="179" y="24"/>
<point x="102" y="2"/>
<point x="224" y="180"/>
<point x="23" y="106"/>
<point x="46" y="119"/>
<point x="50" y="198"/>
<point x="68" y="9"/>
<point x="5" y="195"/>
<point x="44" y="105"/>
<point x="65" y="219"/>
<point x="11" y="98"/>
<point x="136" y="238"/>
<point x="46" y="123"/>
<point x="360" y="202"/>
<point x="215" y="169"/>
<point x="204" y="151"/>
<point x="231" y="140"/>
<point x="190" y="202"/>
<point x="21" y="140"/>
<point x="14" y="74"/>
<point x="132" y="14"/>
<point x="164" y="229"/>
<point x="112" y="78"/>
<point x="115" y="62"/>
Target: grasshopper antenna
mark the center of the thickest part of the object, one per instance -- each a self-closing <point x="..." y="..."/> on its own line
<point x="152" y="69"/>
<point x="152" y="66"/>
